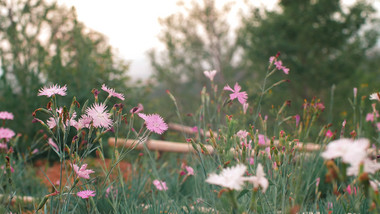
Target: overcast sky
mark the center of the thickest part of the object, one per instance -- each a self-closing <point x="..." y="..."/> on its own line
<point x="131" y="26"/>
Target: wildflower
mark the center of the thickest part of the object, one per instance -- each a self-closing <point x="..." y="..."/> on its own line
<point x="245" y="107"/>
<point x="86" y="193"/>
<point x="231" y="177"/>
<point x="34" y="151"/>
<point x="279" y="66"/>
<point x="83" y="122"/>
<point x="4" y="115"/>
<point x="111" y="92"/>
<point x="259" y="180"/>
<point x="251" y="161"/>
<point x="82" y="172"/>
<point x="137" y="109"/>
<point x="271" y="59"/>
<point x="6" y="133"/>
<point x="154" y="123"/>
<point x="52" y="90"/>
<point x="348" y="189"/>
<point x="352" y="152"/>
<point x="242" y="134"/>
<point x="3" y="146"/>
<point x="210" y="74"/>
<point x="241" y="96"/>
<point x="329" y="133"/>
<point x="160" y="185"/>
<point x="99" y="116"/>
<point x="190" y="170"/>
<point x="370" y="166"/>
<point x="370" y="117"/>
<point x="54" y="145"/>
<point x="375" y="96"/>
<point x="355" y="91"/>
<point x="262" y="139"/>
<point x="298" y="118"/>
<point x="317" y="181"/>
<point x="374" y="184"/>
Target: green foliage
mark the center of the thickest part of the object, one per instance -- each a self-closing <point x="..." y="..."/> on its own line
<point x="321" y="41"/>
<point x="43" y="43"/>
<point x="196" y="39"/>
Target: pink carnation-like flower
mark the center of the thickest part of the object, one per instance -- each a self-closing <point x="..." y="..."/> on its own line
<point x="100" y="118"/>
<point x="329" y="133"/>
<point x="190" y="170"/>
<point x="160" y="185"/>
<point x="4" y="115"/>
<point x="83" y="122"/>
<point x="262" y="139"/>
<point x="279" y="66"/>
<point x="111" y="92"/>
<point x="210" y="74"/>
<point x="54" y="145"/>
<point x="241" y="96"/>
<point x="52" y="90"/>
<point x="86" y="193"/>
<point x="6" y="133"/>
<point x="82" y="172"/>
<point x="137" y="109"/>
<point x="154" y="123"/>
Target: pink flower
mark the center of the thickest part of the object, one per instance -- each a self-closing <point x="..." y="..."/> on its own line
<point x="271" y="59"/>
<point x="160" y="185"/>
<point x="348" y="189"/>
<point x="6" y="133"/>
<point x="54" y="145"/>
<point x="251" y="161"/>
<point x="86" y="193"/>
<point x="52" y="90"/>
<point x="317" y="182"/>
<point x="154" y="123"/>
<point x="190" y="170"/>
<point x="137" y="109"/>
<point x="111" y="92"/>
<point x="329" y="133"/>
<point x="355" y="91"/>
<point x="194" y="129"/>
<point x="369" y="117"/>
<point x="4" y="115"/>
<point x="99" y="116"/>
<point x="378" y="126"/>
<point x="241" y="96"/>
<point x="210" y="74"/>
<point x="82" y="172"/>
<point x="298" y="118"/>
<point x="3" y="146"/>
<point x="83" y="122"/>
<point x="34" y="151"/>
<point x="262" y="139"/>
<point x="279" y="66"/>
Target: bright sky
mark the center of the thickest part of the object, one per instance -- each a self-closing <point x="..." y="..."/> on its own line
<point x="131" y="26"/>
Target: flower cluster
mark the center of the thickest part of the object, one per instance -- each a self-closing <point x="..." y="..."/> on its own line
<point x="160" y="185"/>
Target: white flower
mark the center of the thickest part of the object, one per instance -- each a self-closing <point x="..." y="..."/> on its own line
<point x="259" y="180"/>
<point x="352" y="152"/>
<point x="370" y="166"/>
<point x="210" y="74"/>
<point x="231" y="177"/>
<point x="375" y="96"/>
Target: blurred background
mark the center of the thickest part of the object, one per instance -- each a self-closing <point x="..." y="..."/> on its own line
<point x="143" y="48"/>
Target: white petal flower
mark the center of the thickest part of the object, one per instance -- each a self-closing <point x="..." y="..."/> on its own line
<point x="231" y="177"/>
<point x="259" y="180"/>
<point x="375" y="96"/>
<point x="370" y="166"/>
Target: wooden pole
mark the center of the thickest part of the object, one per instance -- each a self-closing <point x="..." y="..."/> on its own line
<point x="167" y="146"/>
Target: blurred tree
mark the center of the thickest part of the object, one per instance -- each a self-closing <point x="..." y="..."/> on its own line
<point x="321" y="41"/>
<point x="42" y="43"/>
<point x="196" y="39"/>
